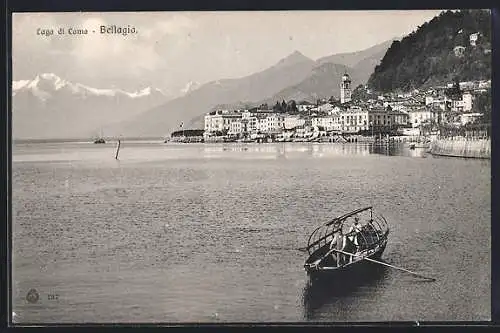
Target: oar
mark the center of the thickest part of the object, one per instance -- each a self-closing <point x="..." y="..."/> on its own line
<point x="388" y="265"/>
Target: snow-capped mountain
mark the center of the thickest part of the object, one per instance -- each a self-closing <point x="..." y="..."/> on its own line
<point x="190" y="86"/>
<point x="44" y="84"/>
<point x="49" y="106"/>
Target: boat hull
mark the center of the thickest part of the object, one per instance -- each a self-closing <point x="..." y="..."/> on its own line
<point x="328" y="271"/>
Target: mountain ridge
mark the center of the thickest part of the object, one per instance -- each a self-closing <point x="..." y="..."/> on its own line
<point x="48" y="106"/>
<point x="54" y="82"/>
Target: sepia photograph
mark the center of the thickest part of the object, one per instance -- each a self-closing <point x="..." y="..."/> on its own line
<point x="251" y="167"/>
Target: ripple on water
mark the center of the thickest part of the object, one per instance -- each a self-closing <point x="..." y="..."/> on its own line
<point x="182" y="237"/>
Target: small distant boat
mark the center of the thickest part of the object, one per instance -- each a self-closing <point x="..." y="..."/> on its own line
<point x="419" y="145"/>
<point x="346" y="241"/>
<point x="100" y="139"/>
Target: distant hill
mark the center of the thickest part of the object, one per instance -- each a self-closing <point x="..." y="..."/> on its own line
<point x="353" y="59"/>
<point x="428" y="55"/>
<point x="323" y="81"/>
<point x="164" y="119"/>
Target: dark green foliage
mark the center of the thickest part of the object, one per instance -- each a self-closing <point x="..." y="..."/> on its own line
<point x="454" y="92"/>
<point x="361" y="94"/>
<point x="290" y="107"/>
<point x="426" y="56"/>
<point x="482" y="104"/>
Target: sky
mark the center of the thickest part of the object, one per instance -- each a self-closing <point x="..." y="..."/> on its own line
<point x="171" y="49"/>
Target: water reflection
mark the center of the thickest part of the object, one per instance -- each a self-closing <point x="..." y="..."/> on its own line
<point x="332" y="289"/>
<point x="315" y="150"/>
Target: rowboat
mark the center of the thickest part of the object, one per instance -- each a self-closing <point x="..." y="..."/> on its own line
<point x="347" y="241"/>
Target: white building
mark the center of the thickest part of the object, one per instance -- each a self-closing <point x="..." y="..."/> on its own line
<point x="290" y="122"/>
<point x="437" y="102"/>
<point x="462" y="105"/>
<point x="473" y="38"/>
<point x="357" y="119"/>
<point x="422" y="116"/>
<point x="275" y="123"/>
<point x="261" y="123"/>
<point x="466" y="118"/>
<point x="325" y="107"/>
<point x="353" y="120"/>
<point x="335" y="110"/>
<point x="328" y="123"/>
<point x="459" y="51"/>
<point x="220" y="120"/>
<point x="236" y="127"/>
<point x="249" y="121"/>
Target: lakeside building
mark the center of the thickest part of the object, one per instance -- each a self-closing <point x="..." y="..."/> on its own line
<point x="467" y="118"/>
<point x="424" y="115"/>
<point x="385" y="113"/>
<point x="356" y="119"/>
<point x="218" y="121"/>
<point x="291" y="122"/>
<point x="349" y="120"/>
<point x="463" y="104"/>
<point x="328" y="123"/>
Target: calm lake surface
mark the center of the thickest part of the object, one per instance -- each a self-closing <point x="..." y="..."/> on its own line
<point x="209" y="233"/>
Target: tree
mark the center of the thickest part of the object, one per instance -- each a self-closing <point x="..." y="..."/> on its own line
<point x="482" y="104"/>
<point x="291" y="106"/>
<point x="277" y="107"/>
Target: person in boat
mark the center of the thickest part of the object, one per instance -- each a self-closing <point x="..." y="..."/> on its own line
<point x="337" y="243"/>
<point x="354" y="233"/>
<point x="341" y="242"/>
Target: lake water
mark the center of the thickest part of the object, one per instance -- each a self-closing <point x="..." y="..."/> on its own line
<point x="209" y="233"/>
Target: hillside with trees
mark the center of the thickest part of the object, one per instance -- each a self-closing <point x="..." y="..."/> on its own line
<point x="439" y="51"/>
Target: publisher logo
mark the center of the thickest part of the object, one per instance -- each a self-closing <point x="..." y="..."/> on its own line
<point x="32" y="296"/>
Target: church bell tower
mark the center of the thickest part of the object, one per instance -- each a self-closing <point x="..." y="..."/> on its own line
<point x="345" y="89"/>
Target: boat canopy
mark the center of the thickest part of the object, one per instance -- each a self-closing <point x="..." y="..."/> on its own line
<point x="325" y="233"/>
